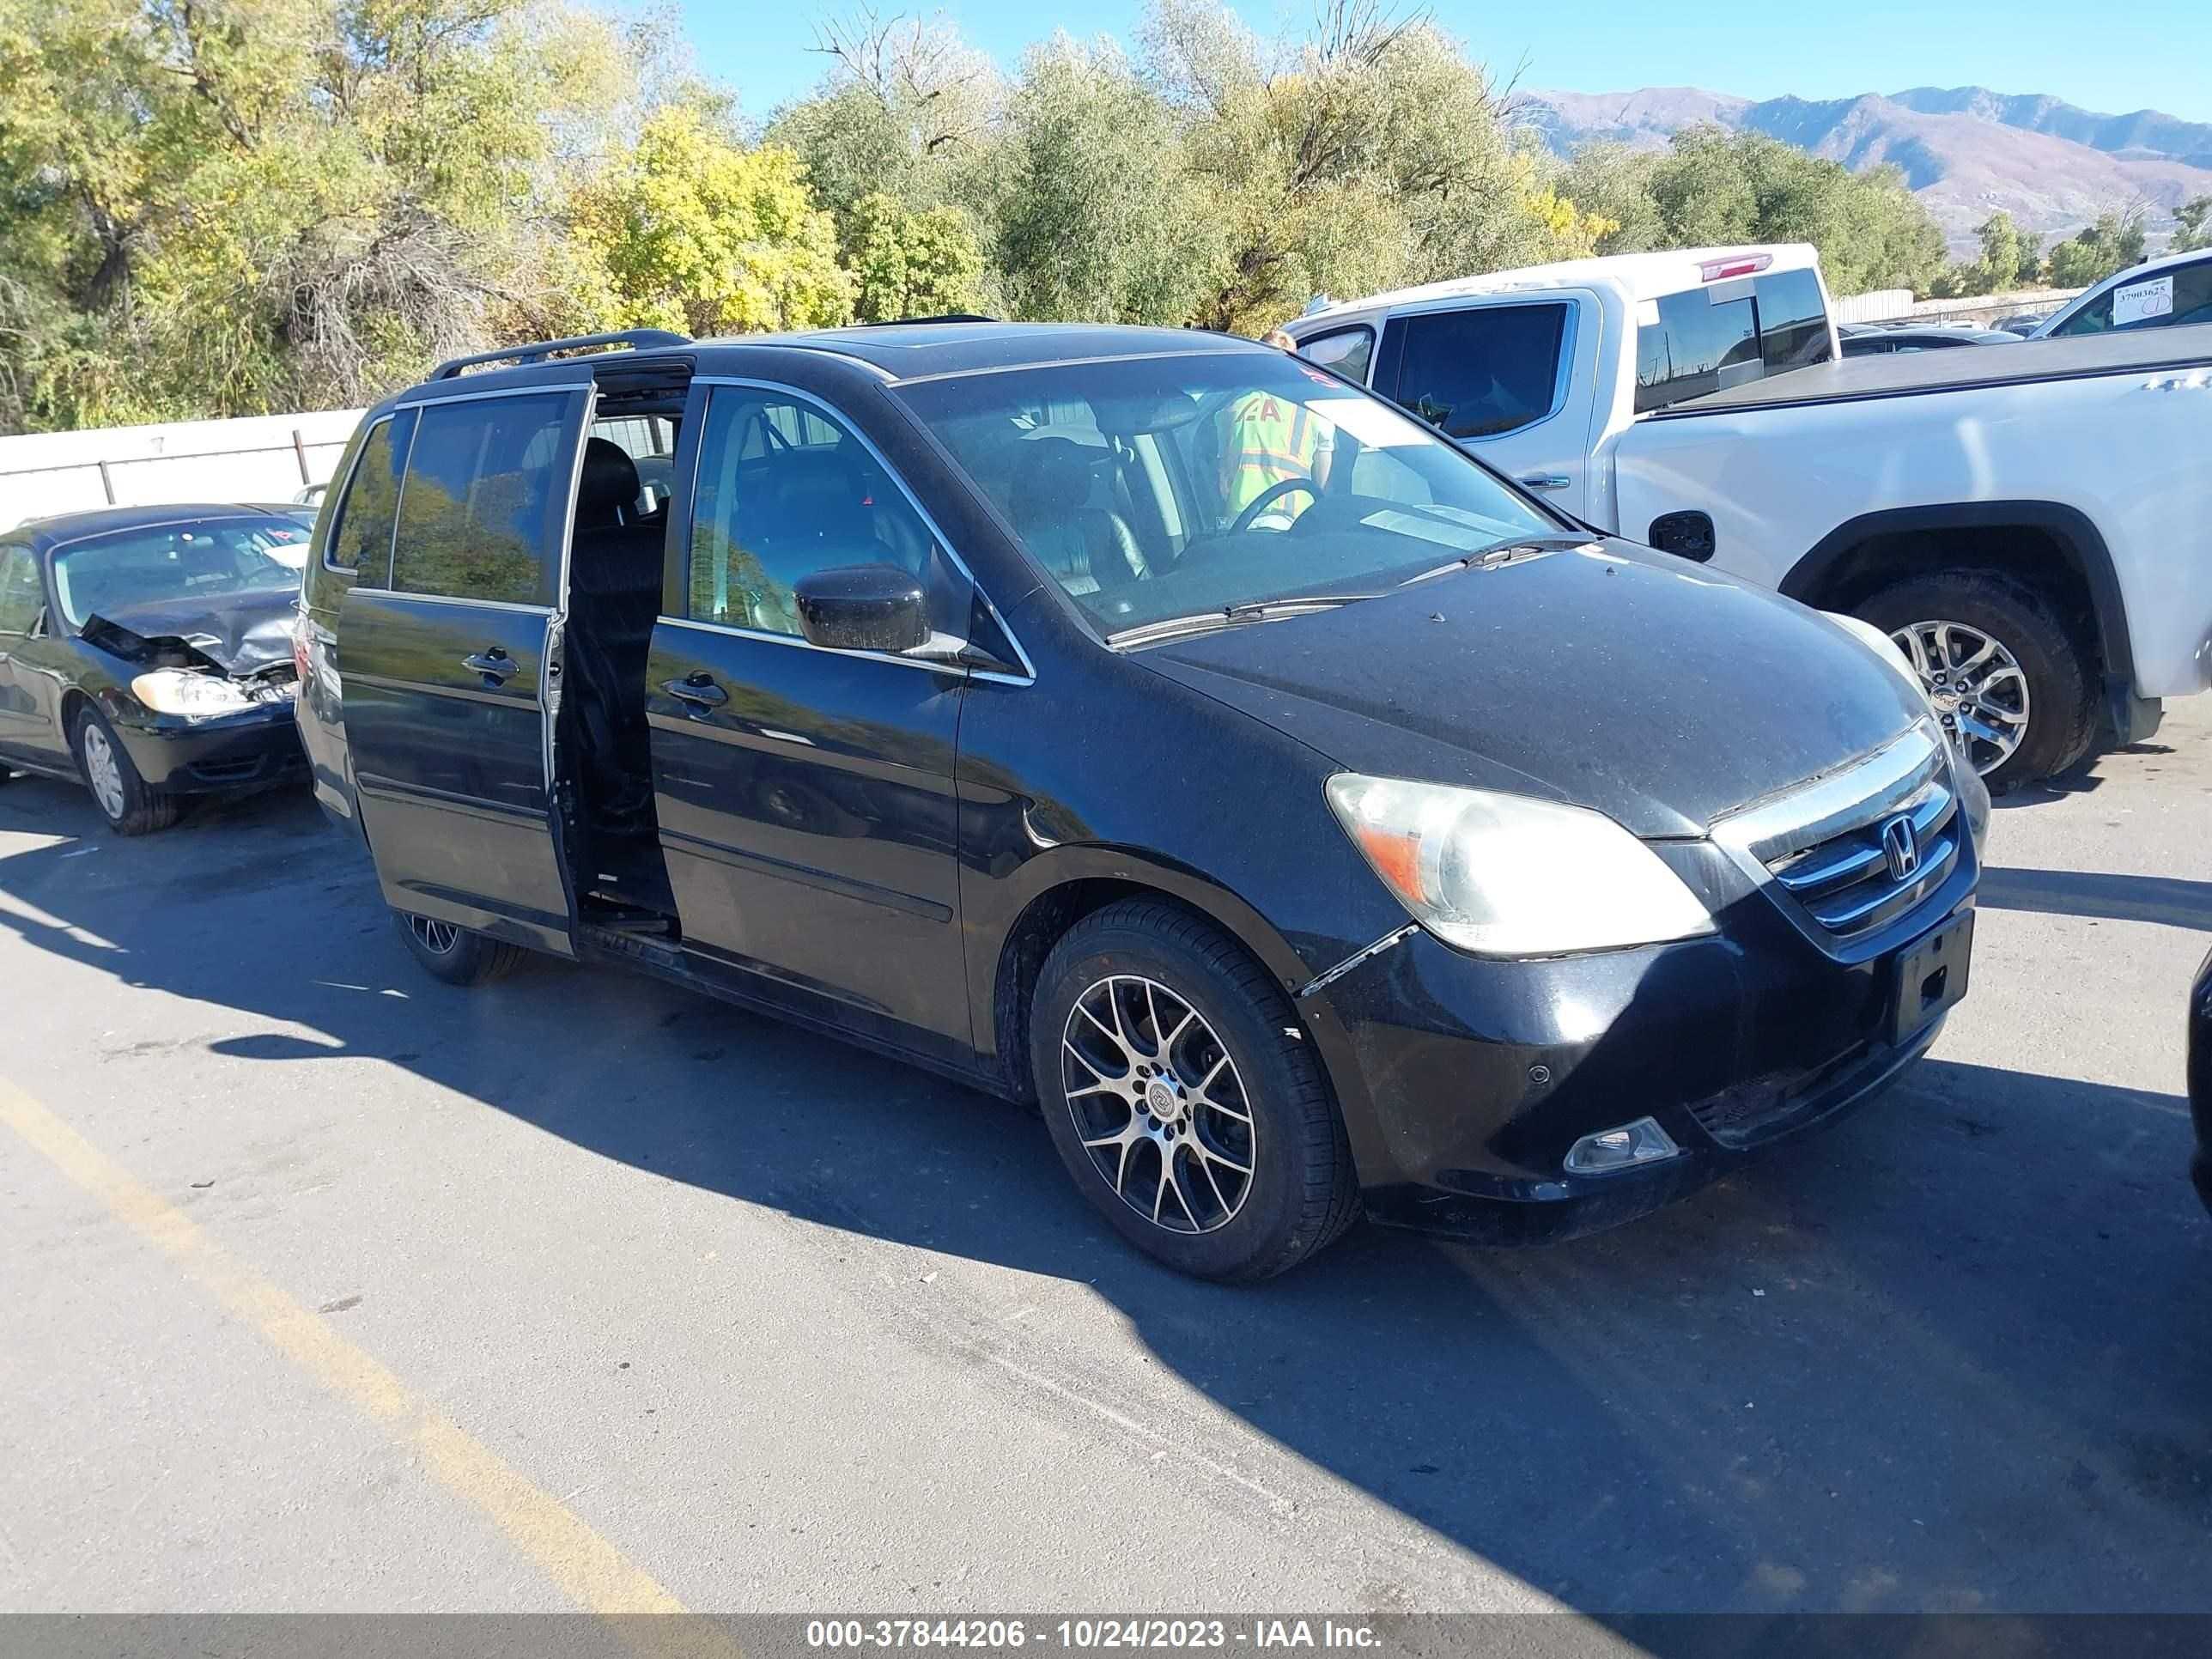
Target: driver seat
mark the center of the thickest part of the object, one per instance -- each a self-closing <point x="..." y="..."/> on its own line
<point x="1088" y="549"/>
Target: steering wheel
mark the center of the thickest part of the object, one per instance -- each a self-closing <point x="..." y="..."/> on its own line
<point x="1266" y="498"/>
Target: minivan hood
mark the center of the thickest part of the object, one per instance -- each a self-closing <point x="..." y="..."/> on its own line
<point x="1609" y="677"/>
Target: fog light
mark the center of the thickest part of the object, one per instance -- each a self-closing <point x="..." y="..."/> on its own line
<point x="1641" y="1142"/>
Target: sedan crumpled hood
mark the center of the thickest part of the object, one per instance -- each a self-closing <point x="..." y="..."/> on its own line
<point x="240" y="634"/>
<point x="1612" y="677"/>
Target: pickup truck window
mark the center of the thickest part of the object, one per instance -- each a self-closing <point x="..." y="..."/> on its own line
<point x="1793" y="320"/>
<point x="1347" y="351"/>
<point x="1482" y="372"/>
<point x="1694" y="347"/>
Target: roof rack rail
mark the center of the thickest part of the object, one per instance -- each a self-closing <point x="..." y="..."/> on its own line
<point x="636" y="339"/>
<point x="942" y="317"/>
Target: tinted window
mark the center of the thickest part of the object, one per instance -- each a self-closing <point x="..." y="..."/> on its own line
<point x="474" y="512"/>
<point x="198" y="558"/>
<point x="1695" y="346"/>
<point x="361" y="535"/>
<point x="1282" y="480"/>
<point x="1484" y="371"/>
<point x="784" y="490"/>
<point x="1347" y="351"/>
<point x="1793" y="322"/>
<point x="21" y="596"/>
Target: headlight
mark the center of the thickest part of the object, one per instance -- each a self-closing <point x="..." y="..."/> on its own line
<point x="1511" y="876"/>
<point x="1883" y="646"/>
<point x="195" y="697"/>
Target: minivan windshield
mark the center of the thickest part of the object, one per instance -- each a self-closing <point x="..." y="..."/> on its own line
<point x="1158" y="488"/>
<point x="199" y="559"/>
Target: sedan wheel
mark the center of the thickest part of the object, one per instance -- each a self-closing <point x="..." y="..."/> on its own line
<point x="1978" y="687"/>
<point x="130" y="805"/>
<point x="1158" y="1104"/>
<point x="101" y="774"/>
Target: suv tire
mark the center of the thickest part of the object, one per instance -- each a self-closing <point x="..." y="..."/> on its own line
<point x="2061" y="703"/>
<point x="454" y="954"/>
<point x="1256" y="1196"/>
<point x="131" y="804"/>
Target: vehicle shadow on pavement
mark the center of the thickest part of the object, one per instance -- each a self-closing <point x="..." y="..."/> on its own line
<point x="1954" y="1353"/>
<point x="2168" y="899"/>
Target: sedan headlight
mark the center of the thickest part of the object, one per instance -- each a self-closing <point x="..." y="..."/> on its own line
<point x="195" y="697"/>
<point x="1511" y="876"/>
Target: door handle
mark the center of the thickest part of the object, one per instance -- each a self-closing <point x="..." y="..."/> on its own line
<point x="698" y="688"/>
<point x="1546" y="480"/>
<point x="494" y="664"/>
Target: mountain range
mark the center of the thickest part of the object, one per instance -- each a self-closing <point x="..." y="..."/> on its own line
<point x="1966" y="151"/>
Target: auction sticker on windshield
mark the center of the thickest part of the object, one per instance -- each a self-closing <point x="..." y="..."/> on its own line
<point x="2140" y="301"/>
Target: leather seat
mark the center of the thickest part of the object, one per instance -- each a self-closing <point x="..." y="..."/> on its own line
<point x="1087" y="549"/>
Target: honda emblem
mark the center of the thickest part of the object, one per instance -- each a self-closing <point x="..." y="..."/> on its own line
<point x="1900" y="847"/>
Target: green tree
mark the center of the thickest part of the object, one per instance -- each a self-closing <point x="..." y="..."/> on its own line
<point x="693" y="231"/>
<point x="1096" y="213"/>
<point x="2193" y="225"/>
<point x="910" y="263"/>
<point x="2116" y="241"/>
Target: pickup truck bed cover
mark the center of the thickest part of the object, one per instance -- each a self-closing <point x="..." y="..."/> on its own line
<point x="1903" y="374"/>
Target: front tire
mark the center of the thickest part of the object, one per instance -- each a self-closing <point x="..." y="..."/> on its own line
<point x="2010" y="681"/>
<point x="1188" y="1118"/>
<point x="131" y="804"/>
<point x="454" y="954"/>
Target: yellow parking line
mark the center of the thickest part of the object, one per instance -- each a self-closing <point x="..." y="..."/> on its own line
<point x="590" y="1570"/>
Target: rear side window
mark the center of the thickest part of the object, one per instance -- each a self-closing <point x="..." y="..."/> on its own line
<point x="1484" y="371"/>
<point x="360" y="531"/>
<point x="1793" y="323"/>
<point x="1688" y="344"/>
<point x="475" y="511"/>
<point x="1347" y="351"/>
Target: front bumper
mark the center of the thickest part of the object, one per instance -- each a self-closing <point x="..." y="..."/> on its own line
<point x="1465" y="1081"/>
<point x="255" y="746"/>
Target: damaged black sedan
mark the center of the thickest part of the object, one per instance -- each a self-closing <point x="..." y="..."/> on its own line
<point x="146" y="652"/>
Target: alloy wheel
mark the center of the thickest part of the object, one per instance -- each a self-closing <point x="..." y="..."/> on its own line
<point x="1978" y="687"/>
<point x="436" y="937"/>
<point x="1158" y="1103"/>
<point x="103" y="775"/>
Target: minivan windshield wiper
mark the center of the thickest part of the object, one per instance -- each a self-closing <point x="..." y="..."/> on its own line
<point x="1502" y="552"/>
<point x="1229" y="616"/>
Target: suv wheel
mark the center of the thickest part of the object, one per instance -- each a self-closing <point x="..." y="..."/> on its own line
<point x="454" y="954"/>
<point x="1206" y="1135"/>
<point x="130" y="806"/>
<point x="2007" y="679"/>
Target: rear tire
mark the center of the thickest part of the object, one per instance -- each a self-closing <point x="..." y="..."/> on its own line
<point x="131" y="804"/>
<point x="454" y="954"/>
<point x="2061" y="702"/>
<point x="1238" y="1111"/>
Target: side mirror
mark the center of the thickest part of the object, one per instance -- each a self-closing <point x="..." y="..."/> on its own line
<point x="864" y="607"/>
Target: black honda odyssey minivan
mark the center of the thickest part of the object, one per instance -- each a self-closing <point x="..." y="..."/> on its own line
<point x="1151" y="726"/>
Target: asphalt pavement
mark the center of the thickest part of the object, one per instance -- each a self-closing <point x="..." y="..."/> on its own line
<point x="332" y="1287"/>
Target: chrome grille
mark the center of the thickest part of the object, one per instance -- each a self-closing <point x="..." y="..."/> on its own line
<point x="1820" y="849"/>
<point x="1847" y="883"/>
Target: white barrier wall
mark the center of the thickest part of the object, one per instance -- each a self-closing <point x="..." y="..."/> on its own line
<point x="261" y="458"/>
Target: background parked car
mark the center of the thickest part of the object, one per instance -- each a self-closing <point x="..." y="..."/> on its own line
<point x="2021" y="323"/>
<point x="1881" y="339"/>
<point x="146" y="651"/>
<point x="2163" y="293"/>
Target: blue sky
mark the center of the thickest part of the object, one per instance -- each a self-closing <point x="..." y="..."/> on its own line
<point x="2150" y="53"/>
